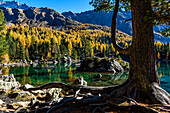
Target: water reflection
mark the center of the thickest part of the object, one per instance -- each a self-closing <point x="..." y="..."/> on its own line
<point x="62" y="73"/>
<point x="163" y="68"/>
<point x="67" y="74"/>
<point x="164" y="73"/>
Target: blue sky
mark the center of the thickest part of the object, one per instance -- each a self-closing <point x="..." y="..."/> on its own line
<point x="60" y="5"/>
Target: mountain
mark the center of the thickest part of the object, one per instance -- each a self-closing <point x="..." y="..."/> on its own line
<point x="104" y="19"/>
<point x="13" y="4"/>
<point x="44" y="17"/>
<point x="17" y="13"/>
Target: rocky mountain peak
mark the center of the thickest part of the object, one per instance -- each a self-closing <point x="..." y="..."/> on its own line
<point x="44" y="17"/>
<point x="13" y="4"/>
<point x="69" y="14"/>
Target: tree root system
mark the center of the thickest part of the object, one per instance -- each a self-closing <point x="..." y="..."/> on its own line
<point x="123" y="98"/>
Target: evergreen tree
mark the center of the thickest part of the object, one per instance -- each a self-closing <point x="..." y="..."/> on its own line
<point x="22" y="52"/>
<point x="12" y="46"/>
<point x="3" y="44"/>
<point x="63" y="49"/>
<point x="74" y="54"/>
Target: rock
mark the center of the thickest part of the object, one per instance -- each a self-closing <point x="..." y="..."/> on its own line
<point x="23" y="104"/>
<point x="8" y="82"/>
<point x="66" y="59"/>
<point x="96" y="64"/>
<point x="99" y="76"/>
<point x="19" y="94"/>
<point x="1" y="71"/>
<point x="50" y="94"/>
<point x="54" y="92"/>
<point x="116" y="66"/>
<point x="1" y="102"/>
<point x="25" y="86"/>
<point x="34" y="64"/>
<point x="55" y="62"/>
<point x="25" y="61"/>
<point x="31" y="62"/>
<point x="80" y="81"/>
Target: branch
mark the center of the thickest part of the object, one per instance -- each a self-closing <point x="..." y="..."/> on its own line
<point x="128" y="20"/>
<point x="113" y="31"/>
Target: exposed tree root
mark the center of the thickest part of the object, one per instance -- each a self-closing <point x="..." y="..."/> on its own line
<point x="109" y="101"/>
<point x="160" y="94"/>
<point x="84" y="89"/>
<point x="106" y="107"/>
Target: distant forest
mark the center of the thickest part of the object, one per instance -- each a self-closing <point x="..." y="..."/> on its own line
<point x="82" y="41"/>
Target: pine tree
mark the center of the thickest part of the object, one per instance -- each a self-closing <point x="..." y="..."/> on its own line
<point x="12" y="46"/>
<point x="3" y="44"/>
<point x="22" y="52"/>
<point x="74" y="54"/>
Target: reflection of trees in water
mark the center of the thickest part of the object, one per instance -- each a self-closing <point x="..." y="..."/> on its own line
<point x="163" y="68"/>
<point x="25" y="72"/>
<point x="5" y="70"/>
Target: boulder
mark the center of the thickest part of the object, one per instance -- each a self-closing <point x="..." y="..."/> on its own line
<point x="8" y="82"/>
<point x="1" y="102"/>
<point x="116" y="66"/>
<point x="96" y="64"/>
<point x="50" y="94"/>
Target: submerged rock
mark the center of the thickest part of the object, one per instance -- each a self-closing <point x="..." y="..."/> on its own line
<point x="80" y="81"/>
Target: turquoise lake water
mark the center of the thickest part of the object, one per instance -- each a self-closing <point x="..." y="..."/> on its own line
<point x="68" y="74"/>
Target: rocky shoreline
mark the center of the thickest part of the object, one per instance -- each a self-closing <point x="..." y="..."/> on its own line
<point x="14" y="97"/>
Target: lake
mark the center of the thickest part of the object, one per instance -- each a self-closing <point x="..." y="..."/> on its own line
<point x="67" y="74"/>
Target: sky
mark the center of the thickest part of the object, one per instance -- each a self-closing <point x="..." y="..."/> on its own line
<point x="60" y="6"/>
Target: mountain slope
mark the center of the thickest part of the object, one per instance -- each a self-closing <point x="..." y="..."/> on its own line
<point x="44" y="17"/>
<point x="17" y="13"/>
<point x="13" y="4"/>
<point x="104" y="19"/>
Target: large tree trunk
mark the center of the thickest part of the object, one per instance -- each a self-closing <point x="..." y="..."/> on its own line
<point x="143" y="83"/>
<point x="142" y="54"/>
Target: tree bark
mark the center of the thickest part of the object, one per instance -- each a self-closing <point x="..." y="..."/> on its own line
<point x="143" y="83"/>
<point x="143" y="56"/>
